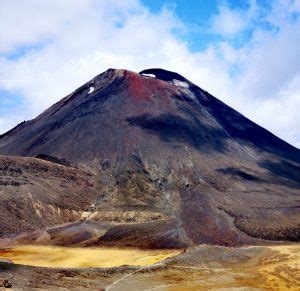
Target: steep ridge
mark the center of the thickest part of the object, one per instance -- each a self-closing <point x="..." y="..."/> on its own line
<point x="174" y="166"/>
<point x="37" y="193"/>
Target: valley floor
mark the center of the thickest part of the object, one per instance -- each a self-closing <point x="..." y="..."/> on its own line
<point x="198" y="268"/>
<point x="89" y="257"/>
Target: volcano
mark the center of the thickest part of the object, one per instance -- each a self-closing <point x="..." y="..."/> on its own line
<point x="146" y="159"/>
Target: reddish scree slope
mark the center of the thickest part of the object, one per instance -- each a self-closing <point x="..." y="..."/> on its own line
<point x="173" y="165"/>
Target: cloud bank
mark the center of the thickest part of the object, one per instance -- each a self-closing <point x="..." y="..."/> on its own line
<point x="49" y="48"/>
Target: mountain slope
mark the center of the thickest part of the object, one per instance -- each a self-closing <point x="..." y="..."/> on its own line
<point x="180" y="165"/>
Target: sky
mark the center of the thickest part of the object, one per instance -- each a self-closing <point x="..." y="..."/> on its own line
<point x="246" y="53"/>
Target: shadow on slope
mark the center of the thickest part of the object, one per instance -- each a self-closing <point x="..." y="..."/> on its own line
<point x="283" y="169"/>
<point x="175" y="128"/>
<point x="239" y="174"/>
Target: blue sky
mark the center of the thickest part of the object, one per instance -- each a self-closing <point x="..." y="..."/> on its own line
<point x="246" y="53"/>
<point x="195" y="15"/>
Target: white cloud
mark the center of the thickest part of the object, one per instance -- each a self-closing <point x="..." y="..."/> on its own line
<point x="3" y="125"/>
<point x="72" y="41"/>
<point x="32" y="21"/>
<point x="100" y="37"/>
<point x="6" y="124"/>
<point x="228" y="22"/>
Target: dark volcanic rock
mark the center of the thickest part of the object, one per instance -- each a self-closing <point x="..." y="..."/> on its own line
<point x="54" y="160"/>
<point x="172" y="166"/>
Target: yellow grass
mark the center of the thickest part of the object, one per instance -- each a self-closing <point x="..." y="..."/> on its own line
<point x="72" y="257"/>
<point x="276" y="268"/>
<point x="282" y="269"/>
<point x="272" y="268"/>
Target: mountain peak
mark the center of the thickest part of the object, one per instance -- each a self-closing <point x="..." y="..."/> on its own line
<point x="164" y="75"/>
<point x="169" y="155"/>
<point x="139" y="80"/>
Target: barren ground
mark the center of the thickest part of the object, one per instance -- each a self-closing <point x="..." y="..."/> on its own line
<point x="198" y="268"/>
